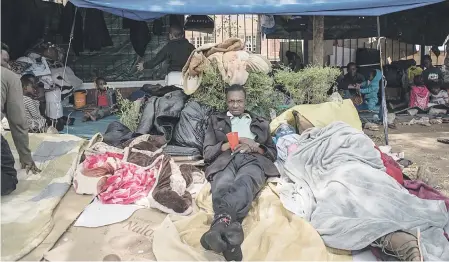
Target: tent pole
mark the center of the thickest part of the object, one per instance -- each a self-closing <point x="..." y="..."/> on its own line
<point x="383" y="84"/>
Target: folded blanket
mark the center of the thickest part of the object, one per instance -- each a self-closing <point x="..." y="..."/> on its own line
<point x="353" y="201"/>
<point x="232" y="61"/>
<point x="139" y="174"/>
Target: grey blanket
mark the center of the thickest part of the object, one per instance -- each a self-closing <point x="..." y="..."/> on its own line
<point x="339" y="176"/>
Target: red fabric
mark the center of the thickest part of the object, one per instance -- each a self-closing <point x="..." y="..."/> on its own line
<point x="94" y="161"/>
<point x="393" y="168"/>
<point x="125" y="182"/>
<point x="419" y="97"/>
<point x="423" y="191"/>
<point x="102" y="100"/>
<point x="129" y="184"/>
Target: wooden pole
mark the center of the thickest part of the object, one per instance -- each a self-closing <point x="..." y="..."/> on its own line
<point x="318" y="40"/>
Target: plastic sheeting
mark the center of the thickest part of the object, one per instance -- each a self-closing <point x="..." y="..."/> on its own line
<point x="147" y="10"/>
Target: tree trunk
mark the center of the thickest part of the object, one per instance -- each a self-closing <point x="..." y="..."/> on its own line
<point x="318" y="40"/>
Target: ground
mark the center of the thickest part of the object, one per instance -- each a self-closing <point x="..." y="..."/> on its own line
<point x="419" y="143"/>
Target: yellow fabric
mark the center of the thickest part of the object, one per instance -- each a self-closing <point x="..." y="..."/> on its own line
<point x="321" y="115"/>
<point x="412" y="72"/>
<point x="271" y="233"/>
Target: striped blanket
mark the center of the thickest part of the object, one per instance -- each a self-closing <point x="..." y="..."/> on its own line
<point x="27" y="212"/>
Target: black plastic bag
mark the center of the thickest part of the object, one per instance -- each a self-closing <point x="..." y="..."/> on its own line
<point x="117" y="133"/>
<point x="192" y="125"/>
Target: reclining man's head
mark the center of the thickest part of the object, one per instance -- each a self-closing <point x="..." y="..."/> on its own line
<point x="236" y="99"/>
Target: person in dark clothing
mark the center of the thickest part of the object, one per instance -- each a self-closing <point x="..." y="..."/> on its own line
<point x="294" y="61"/>
<point x="14" y="111"/>
<point x="176" y="52"/>
<point x="431" y="75"/>
<point x="236" y="176"/>
<point x="352" y="81"/>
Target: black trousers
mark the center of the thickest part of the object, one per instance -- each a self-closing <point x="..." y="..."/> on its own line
<point x="9" y="173"/>
<point x="234" y="188"/>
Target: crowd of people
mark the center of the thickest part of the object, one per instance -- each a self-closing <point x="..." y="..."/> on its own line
<point x="365" y="92"/>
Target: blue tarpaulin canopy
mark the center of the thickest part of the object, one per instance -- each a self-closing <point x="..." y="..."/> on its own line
<point x="151" y="9"/>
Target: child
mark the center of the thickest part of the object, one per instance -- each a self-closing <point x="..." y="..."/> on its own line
<point x="370" y="89"/>
<point x="105" y="101"/>
<point x="36" y="121"/>
<point x="419" y="94"/>
<point x="438" y="96"/>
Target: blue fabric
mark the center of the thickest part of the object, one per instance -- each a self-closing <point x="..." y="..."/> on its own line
<point x="371" y="91"/>
<point x="151" y="9"/>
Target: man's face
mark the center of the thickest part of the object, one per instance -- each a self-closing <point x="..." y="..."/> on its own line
<point x="236" y="102"/>
<point x="427" y="63"/>
<point x="352" y="70"/>
<point x="5" y="59"/>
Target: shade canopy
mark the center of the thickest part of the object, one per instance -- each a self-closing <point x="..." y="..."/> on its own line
<point x="151" y="9"/>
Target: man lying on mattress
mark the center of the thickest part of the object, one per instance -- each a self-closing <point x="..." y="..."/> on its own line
<point x="236" y="175"/>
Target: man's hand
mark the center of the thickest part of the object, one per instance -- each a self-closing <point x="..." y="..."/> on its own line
<point x="243" y="148"/>
<point x="140" y="66"/>
<point x="31" y="167"/>
<point x="225" y="147"/>
<point x="252" y="146"/>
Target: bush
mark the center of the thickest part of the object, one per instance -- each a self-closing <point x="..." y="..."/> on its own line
<point x="129" y="112"/>
<point x="260" y="94"/>
<point x="308" y="86"/>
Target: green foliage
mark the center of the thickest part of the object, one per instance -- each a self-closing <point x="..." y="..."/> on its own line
<point x="308" y="86"/>
<point x="260" y="95"/>
<point x="129" y="112"/>
<point x="212" y="89"/>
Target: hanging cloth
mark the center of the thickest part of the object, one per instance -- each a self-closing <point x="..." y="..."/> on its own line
<point x="139" y="35"/>
<point x="96" y="34"/>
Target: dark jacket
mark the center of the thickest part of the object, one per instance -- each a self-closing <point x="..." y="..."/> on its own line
<point x="161" y="114"/>
<point x="176" y="53"/>
<point x="219" y="125"/>
<point x="348" y="79"/>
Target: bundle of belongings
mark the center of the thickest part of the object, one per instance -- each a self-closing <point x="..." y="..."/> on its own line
<point x="355" y="196"/>
<point x="165" y="110"/>
<point x="233" y="62"/>
<point x="137" y="171"/>
<point x="55" y="82"/>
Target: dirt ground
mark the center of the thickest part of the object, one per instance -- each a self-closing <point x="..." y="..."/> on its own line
<point x="419" y="143"/>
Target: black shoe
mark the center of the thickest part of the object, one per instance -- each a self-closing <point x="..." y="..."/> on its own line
<point x="234" y="253"/>
<point x="212" y="239"/>
<point x="224" y="237"/>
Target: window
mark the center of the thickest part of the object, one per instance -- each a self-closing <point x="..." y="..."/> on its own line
<point x="201" y="40"/>
<point x="250" y="42"/>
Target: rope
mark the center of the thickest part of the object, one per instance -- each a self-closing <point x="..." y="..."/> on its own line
<point x="383" y="85"/>
<point x="65" y="65"/>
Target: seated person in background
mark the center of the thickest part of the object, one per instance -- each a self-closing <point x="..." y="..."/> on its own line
<point x="294" y="61"/>
<point x="106" y="101"/>
<point x="431" y="74"/>
<point x="351" y="81"/>
<point x="37" y="123"/>
<point x="370" y="90"/>
<point x="235" y="176"/>
<point x="438" y="96"/>
<point x="176" y="52"/>
<point x="419" y="95"/>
